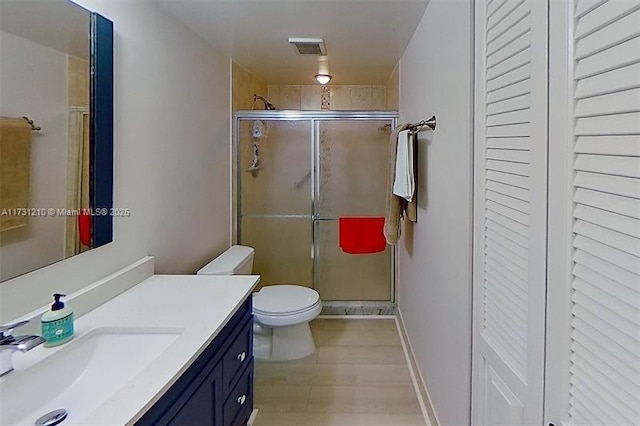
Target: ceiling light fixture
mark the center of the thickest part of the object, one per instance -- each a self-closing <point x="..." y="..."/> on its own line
<point x="323" y="78"/>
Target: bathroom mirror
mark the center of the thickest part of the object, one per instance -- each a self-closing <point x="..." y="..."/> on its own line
<point x="56" y="133"/>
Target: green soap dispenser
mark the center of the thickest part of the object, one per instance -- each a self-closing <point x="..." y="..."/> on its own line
<point x="57" y="323"/>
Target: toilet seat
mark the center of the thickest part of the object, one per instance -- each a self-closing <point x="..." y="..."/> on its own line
<point x="284" y="299"/>
<point x="285" y="304"/>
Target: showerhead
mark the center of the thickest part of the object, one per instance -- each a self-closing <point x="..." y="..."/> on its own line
<point x="267" y="105"/>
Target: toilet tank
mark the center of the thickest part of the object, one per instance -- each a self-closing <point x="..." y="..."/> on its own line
<point x="237" y="260"/>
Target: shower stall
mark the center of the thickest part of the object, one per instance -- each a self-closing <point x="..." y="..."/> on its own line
<point x="296" y="174"/>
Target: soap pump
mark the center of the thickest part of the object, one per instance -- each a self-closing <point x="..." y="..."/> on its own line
<point x="57" y="323"/>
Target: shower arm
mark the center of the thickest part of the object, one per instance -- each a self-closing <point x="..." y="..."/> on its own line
<point x="267" y="105"/>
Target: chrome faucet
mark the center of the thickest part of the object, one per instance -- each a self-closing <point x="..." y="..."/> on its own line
<point x="9" y="344"/>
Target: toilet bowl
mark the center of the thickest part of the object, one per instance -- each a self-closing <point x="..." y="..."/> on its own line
<point x="281" y="312"/>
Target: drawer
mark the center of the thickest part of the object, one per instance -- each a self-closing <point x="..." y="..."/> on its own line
<point x="239" y="404"/>
<point x="238" y="355"/>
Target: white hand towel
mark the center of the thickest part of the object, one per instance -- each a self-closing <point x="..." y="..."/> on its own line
<point x="404" y="183"/>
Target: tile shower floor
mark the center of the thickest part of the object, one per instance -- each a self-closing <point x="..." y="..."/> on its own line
<point x="358" y="375"/>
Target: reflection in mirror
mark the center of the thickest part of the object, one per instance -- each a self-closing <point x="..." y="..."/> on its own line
<point x="44" y="174"/>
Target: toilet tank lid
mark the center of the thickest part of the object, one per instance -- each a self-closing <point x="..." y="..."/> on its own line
<point x="228" y="262"/>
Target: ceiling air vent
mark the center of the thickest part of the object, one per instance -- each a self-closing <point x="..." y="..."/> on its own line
<point x="308" y="46"/>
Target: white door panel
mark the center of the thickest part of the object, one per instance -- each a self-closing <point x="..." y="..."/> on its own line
<point x="593" y="358"/>
<point x="510" y="212"/>
<point x="504" y="406"/>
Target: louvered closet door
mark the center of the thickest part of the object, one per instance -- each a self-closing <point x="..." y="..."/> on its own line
<point x="604" y="370"/>
<point x="510" y="212"/>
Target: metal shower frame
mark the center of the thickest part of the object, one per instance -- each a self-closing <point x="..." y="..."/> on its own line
<point x="315" y="118"/>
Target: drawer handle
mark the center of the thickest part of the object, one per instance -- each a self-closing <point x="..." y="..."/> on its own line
<point x="241" y="356"/>
<point x="242" y="399"/>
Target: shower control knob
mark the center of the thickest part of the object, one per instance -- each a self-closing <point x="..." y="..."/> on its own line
<point x="242" y="399"/>
<point x="241" y="356"/>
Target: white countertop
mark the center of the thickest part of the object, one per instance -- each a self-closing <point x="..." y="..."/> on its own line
<point x="199" y="305"/>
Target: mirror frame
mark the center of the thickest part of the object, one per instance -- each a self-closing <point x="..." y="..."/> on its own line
<point x="101" y="136"/>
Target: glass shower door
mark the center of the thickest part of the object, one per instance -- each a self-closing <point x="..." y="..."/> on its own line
<point x="274" y="205"/>
<point x="351" y="181"/>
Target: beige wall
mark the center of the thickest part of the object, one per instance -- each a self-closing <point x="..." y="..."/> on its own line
<point x="393" y="89"/>
<point x="434" y="268"/>
<point x="343" y="97"/>
<point x="244" y="85"/>
<point x="171" y="157"/>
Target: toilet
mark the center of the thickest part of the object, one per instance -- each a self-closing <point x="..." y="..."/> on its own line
<point x="281" y="312"/>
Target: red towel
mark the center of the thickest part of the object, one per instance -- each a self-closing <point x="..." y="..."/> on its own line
<point x="360" y="235"/>
<point x="84" y="227"/>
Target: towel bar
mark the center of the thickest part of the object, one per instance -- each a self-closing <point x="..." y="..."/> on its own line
<point x="418" y="127"/>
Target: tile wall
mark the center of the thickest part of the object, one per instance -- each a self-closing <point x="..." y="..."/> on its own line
<point x="244" y="85"/>
<point x="343" y="97"/>
<point x="78" y="74"/>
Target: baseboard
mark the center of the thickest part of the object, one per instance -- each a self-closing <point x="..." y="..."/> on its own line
<point x="424" y="400"/>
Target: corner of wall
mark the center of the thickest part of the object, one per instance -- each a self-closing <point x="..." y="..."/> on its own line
<point x="393" y="88"/>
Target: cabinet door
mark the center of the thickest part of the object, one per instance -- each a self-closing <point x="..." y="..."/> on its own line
<point x="202" y="407"/>
<point x="510" y="211"/>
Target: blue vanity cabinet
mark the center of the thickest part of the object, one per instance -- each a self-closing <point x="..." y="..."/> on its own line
<point x="216" y="389"/>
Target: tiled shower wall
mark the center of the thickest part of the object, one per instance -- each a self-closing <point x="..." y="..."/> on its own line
<point x="308" y="97"/>
<point x="244" y="85"/>
<point x="343" y="97"/>
<point x="78" y="81"/>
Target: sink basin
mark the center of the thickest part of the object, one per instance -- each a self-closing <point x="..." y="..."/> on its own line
<point x="81" y="375"/>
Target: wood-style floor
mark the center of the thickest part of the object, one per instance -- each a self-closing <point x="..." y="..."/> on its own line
<point x="357" y="376"/>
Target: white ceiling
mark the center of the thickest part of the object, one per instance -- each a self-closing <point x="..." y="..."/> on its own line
<point x="364" y="38"/>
